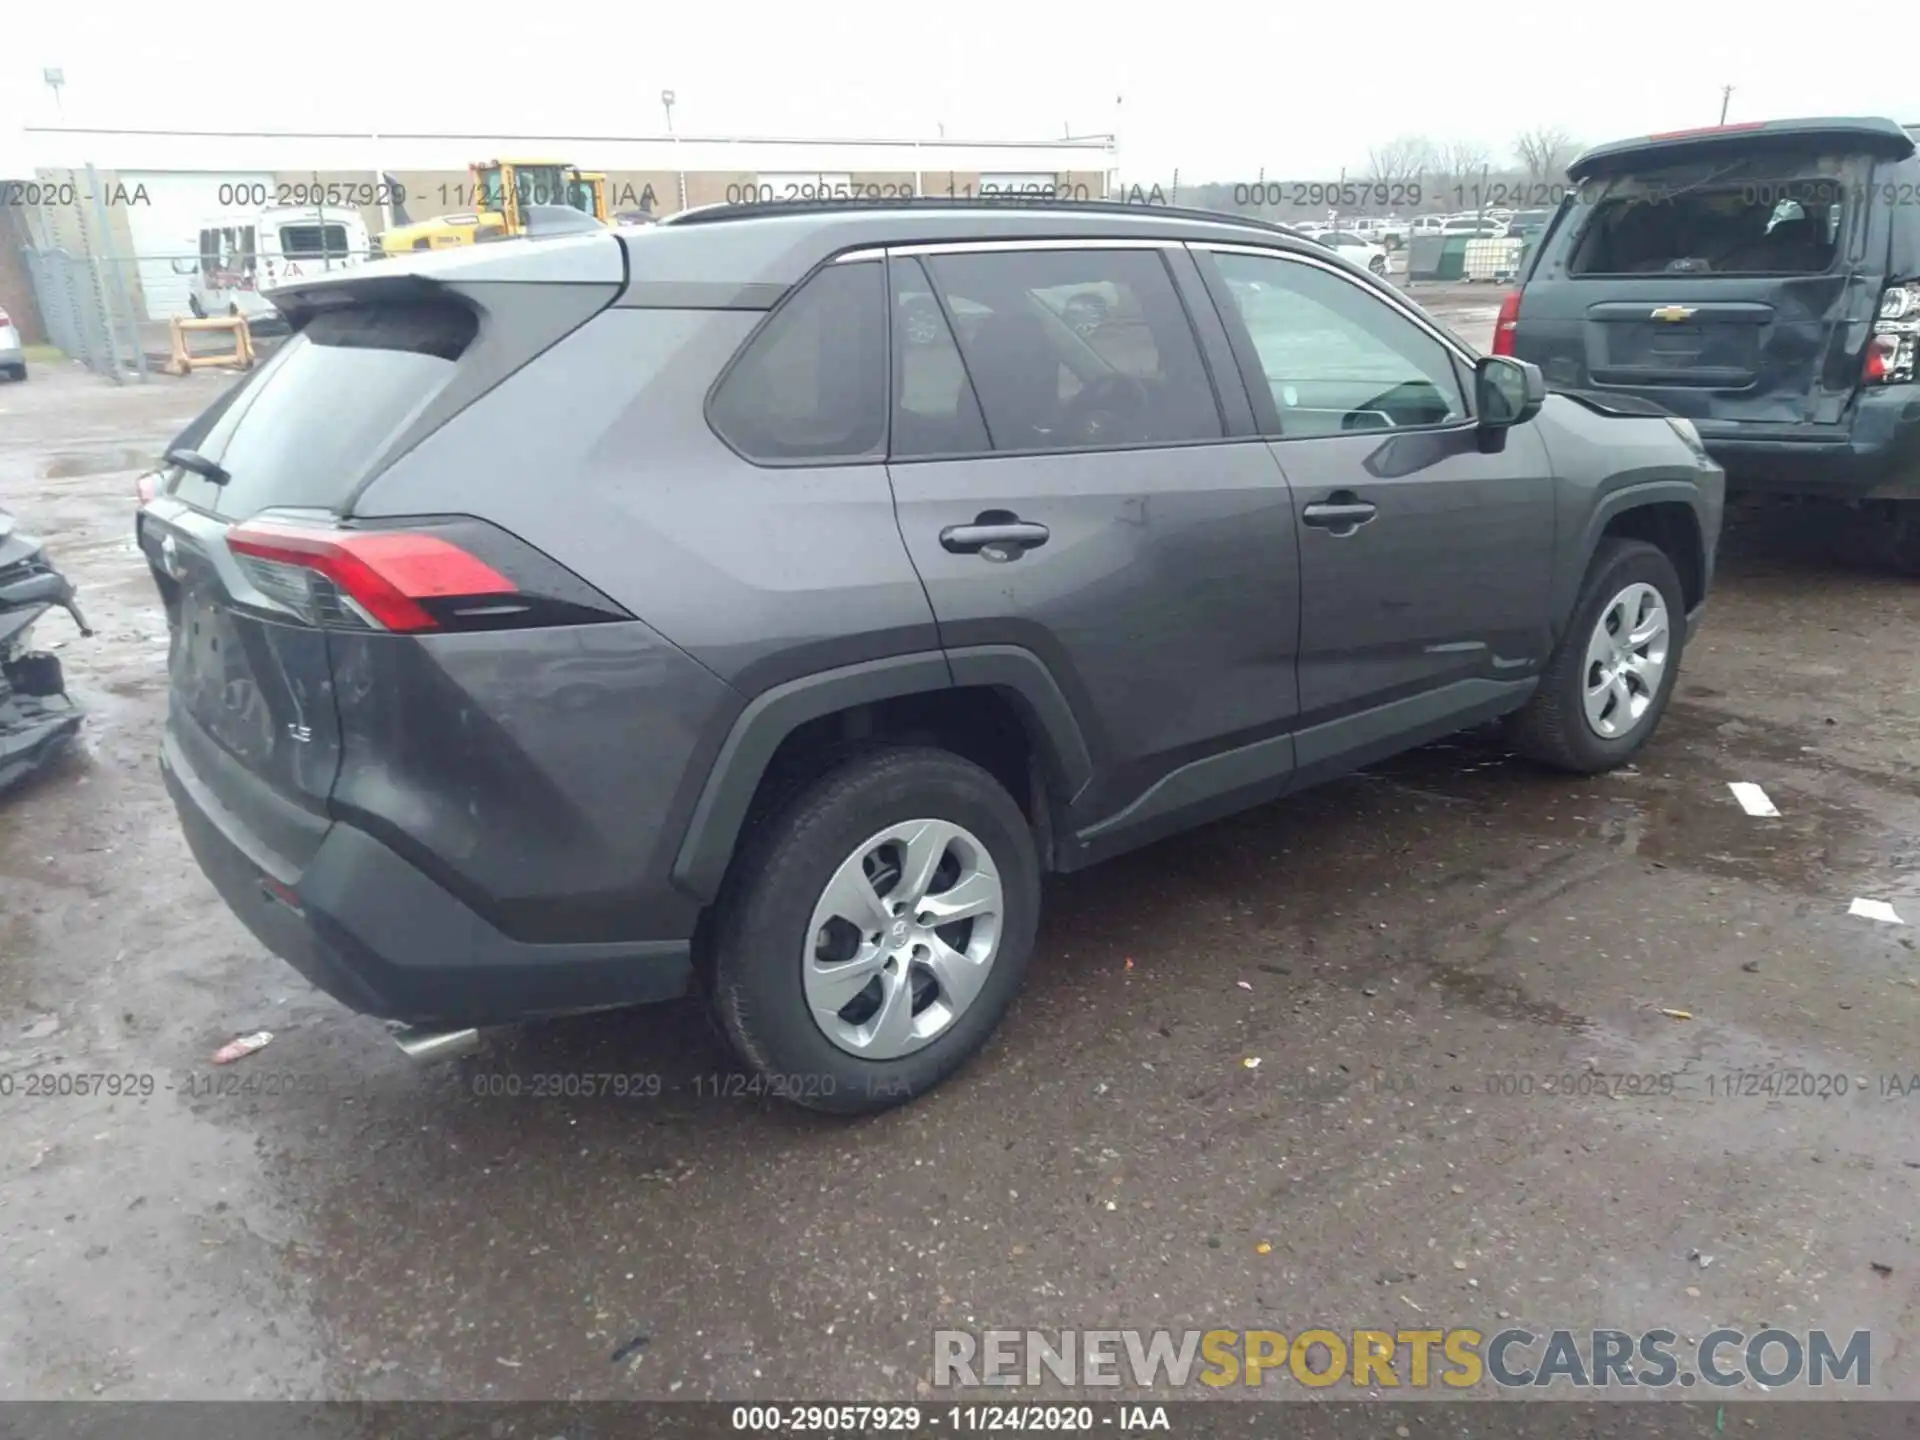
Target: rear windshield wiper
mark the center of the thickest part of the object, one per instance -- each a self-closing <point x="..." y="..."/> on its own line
<point x="198" y="464"/>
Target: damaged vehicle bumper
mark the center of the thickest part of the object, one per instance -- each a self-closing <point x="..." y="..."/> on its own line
<point x="1877" y="457"/>
<point x="37" y="718"/>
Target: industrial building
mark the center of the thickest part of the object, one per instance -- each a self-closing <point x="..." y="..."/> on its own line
<point x="137" y="199"/>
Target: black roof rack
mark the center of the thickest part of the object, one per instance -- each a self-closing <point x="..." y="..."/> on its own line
<point x="709" y="214"/>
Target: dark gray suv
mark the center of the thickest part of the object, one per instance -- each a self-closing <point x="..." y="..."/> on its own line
<point x="761" y="602"/>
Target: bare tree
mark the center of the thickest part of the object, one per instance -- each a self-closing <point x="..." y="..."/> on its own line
<point x="1544" y="152"/>
<point x="1462" y="159"/>
<point x="1401" y="160"/>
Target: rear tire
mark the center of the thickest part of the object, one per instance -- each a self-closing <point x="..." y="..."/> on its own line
<point x="1903" y="537"/>
<point x="778" y="967"/>
<point x="19" y="373"/>
<point x="1558" y="727"/>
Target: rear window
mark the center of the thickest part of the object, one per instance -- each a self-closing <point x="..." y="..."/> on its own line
<point x="1766" y="214"/>
<point x="307" y="427"/>
<point x="303" y="241"/>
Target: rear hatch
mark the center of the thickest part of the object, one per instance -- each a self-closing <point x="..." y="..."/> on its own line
<point x="240" y="537"/>
<point x="1730" y="275"/>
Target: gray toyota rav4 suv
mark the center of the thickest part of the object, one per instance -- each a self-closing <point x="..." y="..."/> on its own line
<point x="759" y="603"/>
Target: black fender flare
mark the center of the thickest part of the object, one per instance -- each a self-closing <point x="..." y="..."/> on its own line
<point x="1611" y="506"/>
<point x="758" y="731"/>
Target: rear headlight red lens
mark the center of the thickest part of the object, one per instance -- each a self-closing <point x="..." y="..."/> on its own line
<point x="1506" y="323"/>
<point x="146" y="487"/>
<point x="452" y="574"/>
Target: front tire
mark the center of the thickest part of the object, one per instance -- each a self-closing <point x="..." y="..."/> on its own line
<point x="1609" y="679"/>
<point x="875" y="929"/>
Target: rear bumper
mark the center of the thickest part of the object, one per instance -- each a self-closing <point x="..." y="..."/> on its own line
<point x="1876" y="458"/>
<point x="381" y="937"/>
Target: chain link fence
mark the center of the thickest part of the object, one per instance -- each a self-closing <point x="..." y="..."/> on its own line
<point x="85" y="319"/>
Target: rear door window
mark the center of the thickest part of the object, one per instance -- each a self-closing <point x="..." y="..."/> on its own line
<point x="1758" y="215"/>
<point x="1077" y="349"/>
<point x="305" y="430"/>
<point x="812" y="383"/>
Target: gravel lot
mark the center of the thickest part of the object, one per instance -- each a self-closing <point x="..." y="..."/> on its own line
<point x="1398" y="949"/>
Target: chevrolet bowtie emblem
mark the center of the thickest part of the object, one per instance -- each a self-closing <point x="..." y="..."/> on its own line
<point x="1673" y="312"/>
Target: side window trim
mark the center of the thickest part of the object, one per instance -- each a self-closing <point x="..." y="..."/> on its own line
<point x="1267" y="414"/>
<point x="919" y="270"/>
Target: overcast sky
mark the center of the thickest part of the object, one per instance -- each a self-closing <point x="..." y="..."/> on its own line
<point x="1301" y="89"/>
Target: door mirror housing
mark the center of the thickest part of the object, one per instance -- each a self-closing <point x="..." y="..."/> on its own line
<point x="1507" y="392"/>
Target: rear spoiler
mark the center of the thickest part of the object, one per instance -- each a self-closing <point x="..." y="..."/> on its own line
<point x="587" y="259"/>
<point x="1864" y="133"/>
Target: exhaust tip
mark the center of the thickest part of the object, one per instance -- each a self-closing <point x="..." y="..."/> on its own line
<point x="422" y="1046"/>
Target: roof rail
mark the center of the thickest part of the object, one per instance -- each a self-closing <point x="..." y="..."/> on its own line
<point x="708" y="214"/>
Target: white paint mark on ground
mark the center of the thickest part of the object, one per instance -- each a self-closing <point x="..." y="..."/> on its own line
<point x="1752" y="798"/>
<point x="1875" y="910"/>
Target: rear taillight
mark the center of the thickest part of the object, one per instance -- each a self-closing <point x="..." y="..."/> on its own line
<point x="147" y="486"/>
<point x="1506" y="323"/>
<point x="3" y="318"/>
<point x="413" y="577"/>
<point x="1896" y="334"/>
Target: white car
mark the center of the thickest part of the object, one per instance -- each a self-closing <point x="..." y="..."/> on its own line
<point x="13" y="355"/>
<point x="1356" y="248"/>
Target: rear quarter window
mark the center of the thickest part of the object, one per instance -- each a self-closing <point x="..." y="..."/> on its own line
<point x="308" y="426"/>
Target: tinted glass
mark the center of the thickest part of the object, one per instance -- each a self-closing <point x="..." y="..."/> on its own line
<point x="934" y="408"/>
<point x="1070" y="349"/>
<point x="812" y="383"/>
<point x="304" y="430"/>
<point x="1336" y="359"/>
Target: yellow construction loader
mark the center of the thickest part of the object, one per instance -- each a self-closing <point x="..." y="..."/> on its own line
<point x="499" y="194"/>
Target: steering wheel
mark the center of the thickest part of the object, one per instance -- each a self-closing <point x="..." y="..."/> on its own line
<point x="1109" y="410"/>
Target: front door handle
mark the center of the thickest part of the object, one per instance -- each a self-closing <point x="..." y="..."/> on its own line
<point x="1343" y="511"/>
<point x="996" y="539"/>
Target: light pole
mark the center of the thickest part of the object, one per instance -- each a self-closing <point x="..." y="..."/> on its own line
<point x="1726" y="94"/>
<point x="680" y="175"/>
<point x="55" y="77"/>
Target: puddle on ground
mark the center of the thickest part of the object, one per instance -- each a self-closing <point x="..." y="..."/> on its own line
<point x="1673" y="809"/>
<point x="1501" y="998"/>
<point x="98" y="462"/>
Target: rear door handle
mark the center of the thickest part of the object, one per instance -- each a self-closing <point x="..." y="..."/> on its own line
<point x="1337" y="514"/>
<point x="1000" y="540"/>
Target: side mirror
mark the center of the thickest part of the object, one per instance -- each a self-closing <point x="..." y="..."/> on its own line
<point x="184" y="266"/>
<point x="1507" y="392"/>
